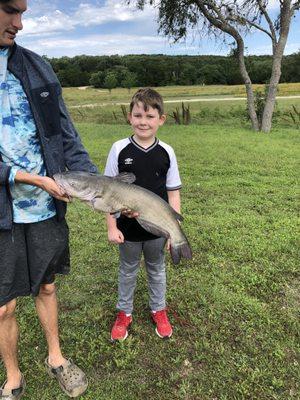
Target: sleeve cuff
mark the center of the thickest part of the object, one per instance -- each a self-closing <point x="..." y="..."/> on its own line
<point x="170" y="189"/>
<point x="12" y="175"/>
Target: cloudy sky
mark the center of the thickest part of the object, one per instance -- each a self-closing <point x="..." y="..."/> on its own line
<point x="68" y="27"/>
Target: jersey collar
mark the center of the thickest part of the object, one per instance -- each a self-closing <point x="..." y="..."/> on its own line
<point x="156" y="141"/>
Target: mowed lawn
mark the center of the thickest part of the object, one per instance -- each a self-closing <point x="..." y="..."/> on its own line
<point x="234" y="307"/>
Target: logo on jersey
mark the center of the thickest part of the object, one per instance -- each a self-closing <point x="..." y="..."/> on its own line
<point x="128" y="161"/>
<point x="44" y="94"/>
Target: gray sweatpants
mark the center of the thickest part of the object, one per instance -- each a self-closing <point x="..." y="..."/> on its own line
<point x="130" y="257"/>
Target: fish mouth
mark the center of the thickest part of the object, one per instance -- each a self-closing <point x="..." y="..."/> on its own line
<point x="63" y="189"/>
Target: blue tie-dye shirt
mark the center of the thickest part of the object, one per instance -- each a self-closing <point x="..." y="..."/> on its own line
<point x="20" y="148"/>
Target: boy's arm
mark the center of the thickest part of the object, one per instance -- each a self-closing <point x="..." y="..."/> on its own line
<point x="174" y="199"/>
<point x="113" y="233"/>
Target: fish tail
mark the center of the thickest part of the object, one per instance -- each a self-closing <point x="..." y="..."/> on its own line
<point x="179" y="250"/>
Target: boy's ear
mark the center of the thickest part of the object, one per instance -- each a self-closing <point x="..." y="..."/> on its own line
<point x="162" y="119"/>
<point x="129" y="116"/>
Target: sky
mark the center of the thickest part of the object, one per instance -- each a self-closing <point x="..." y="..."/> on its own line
<point x="59" y="28"/>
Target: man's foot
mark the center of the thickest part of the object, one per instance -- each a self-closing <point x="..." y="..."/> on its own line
<point x="163" y="326"/>
<point x="13" y="394"/>
<point x="119" y="330"/>
<point x="71" y="378"/>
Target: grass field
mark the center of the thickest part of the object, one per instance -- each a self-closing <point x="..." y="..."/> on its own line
<point x="74" y="96"/>
<point x="229" y="109"/>
<point x="235" y="306"/>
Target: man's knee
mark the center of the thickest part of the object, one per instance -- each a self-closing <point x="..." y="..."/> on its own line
<point x="8" y="310"/>
<point x="47" y="289"/>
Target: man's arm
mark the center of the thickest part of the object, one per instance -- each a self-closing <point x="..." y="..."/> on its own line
<point x="43" y="182"/>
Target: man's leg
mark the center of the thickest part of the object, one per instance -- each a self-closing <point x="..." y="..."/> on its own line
<point x="72" y="379"/>
<point x="9" y="334"/>
<point x="47" y="309"/>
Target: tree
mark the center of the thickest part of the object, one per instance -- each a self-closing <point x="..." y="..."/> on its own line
<point x="73" y="76"/>
<point x="97" y="79"/>
<point x="129" y="80"/>
<point x="110" y="81"/>
<point x="234" y="18"/>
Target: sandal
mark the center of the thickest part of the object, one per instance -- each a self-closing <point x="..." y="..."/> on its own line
<point x="71" y="378"/>
<point x="13" y="394"/>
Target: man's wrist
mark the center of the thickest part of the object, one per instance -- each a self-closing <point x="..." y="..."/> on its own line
<point x="30" y="179"/>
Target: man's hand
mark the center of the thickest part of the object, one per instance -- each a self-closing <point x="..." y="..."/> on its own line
<point x="115" y="236"/>
<point x="51" y="187"/>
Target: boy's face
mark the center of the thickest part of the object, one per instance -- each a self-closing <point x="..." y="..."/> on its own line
<point x="145" y="123"/>
<point x="11" y="21"/>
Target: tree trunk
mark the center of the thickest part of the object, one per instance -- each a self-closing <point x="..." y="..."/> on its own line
<point x="248" y="84"/>
<point x="285" y="20"/>
<point x="266" y="123"/>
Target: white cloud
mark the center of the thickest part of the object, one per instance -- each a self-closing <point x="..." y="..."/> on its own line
<point x="86" y="14"/>
<point x="105" y="44"/>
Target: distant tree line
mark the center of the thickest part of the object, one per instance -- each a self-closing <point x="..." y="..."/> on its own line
<point x="161" y="70"/>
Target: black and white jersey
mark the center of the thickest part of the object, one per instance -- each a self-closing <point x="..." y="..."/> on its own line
<point x="155" y="169"/>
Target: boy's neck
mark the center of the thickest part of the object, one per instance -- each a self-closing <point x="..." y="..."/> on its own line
<point x="145" y="143"/>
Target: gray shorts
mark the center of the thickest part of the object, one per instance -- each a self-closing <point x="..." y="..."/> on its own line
<point x="30" y="255"/>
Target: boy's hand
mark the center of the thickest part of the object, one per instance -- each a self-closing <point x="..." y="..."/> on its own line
<point x="115" y="236"/>
<point x="168" y="245"/>
<point x="129" y="213"/>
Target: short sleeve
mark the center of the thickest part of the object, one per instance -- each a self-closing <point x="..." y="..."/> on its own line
<point x="111" y="168"/>
<point x="173" y="177"/>
<point x="12" y="175"/>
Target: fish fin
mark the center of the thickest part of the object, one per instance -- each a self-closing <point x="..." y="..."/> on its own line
<point x="181" y="250"/>
<point x="99" y="204"/>
<point x="126" y="177"/>
<point x="178" y="216"/>
<point x="116" y="214"/>
<point x="152" y="228"/>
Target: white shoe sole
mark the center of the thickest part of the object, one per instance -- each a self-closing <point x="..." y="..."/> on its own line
<point x="119" y="340"/>
<point x="163" y="337"/>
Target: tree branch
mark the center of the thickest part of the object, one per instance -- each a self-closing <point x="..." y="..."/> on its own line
<point x="296" y="6"/>
<point x="262" y="8"/>
<point x="251" y="23"/>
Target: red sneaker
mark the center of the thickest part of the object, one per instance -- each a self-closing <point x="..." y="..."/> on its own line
<point x="119" y="330"/>
<point x="163" y="326"/>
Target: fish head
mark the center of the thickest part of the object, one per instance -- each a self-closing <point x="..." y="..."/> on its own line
<point x="81" y="185"/>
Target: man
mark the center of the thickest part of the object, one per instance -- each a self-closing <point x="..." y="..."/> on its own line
<point x="37" y="139"/>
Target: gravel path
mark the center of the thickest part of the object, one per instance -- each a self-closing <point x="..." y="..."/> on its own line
<point x="193" y="100"/>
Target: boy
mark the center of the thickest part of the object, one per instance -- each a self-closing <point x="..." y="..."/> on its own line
<point x="155" y="167"/>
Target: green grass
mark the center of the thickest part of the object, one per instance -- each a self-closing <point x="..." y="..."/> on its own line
<point x="107" y="110"/>
<point x="74" y="96"/>
<point x="234" y="307"/>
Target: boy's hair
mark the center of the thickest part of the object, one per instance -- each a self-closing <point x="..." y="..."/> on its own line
<point x="4" y="1"/>
<point x="149" y="98"/>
